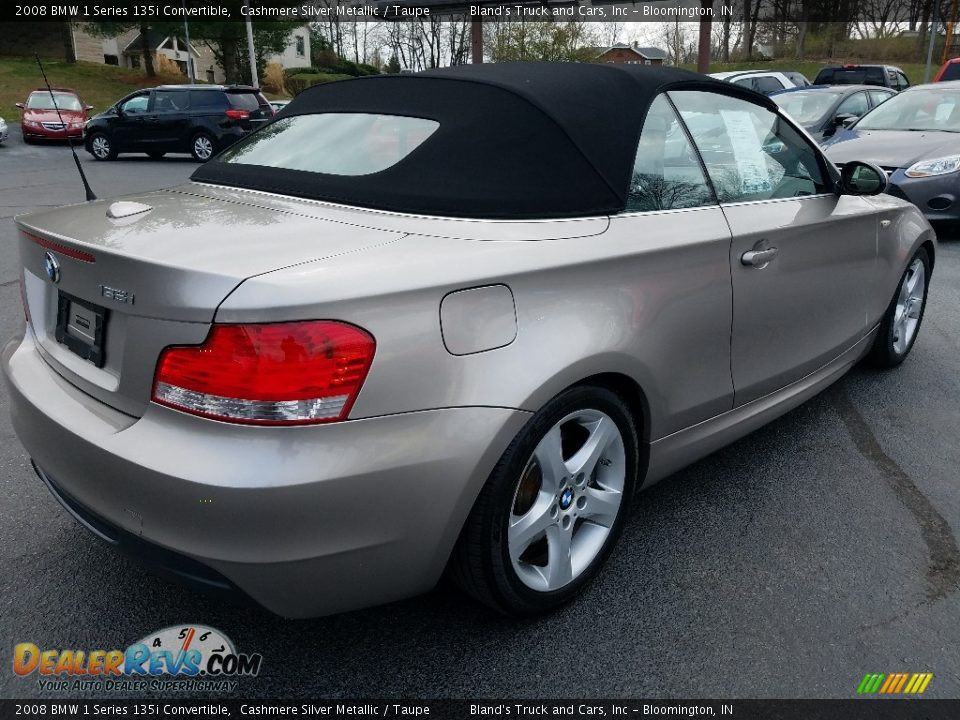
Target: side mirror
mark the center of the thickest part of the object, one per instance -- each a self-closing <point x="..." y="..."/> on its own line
<point x="22" y="106"/>
<point x="846" y="120"/>
<point x="863" y="178"/>
<point x="88" y="108"/>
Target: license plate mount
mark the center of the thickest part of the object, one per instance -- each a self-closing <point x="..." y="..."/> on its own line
<point x="82" y="327"/>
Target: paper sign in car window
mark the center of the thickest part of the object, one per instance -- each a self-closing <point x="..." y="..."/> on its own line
<point x="750" y="160"/>
<point x="944" y="110"/>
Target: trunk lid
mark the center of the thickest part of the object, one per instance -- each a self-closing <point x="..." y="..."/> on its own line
<point x="156" y="278"/>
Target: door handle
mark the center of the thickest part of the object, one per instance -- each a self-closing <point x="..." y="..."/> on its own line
<point x="759" y="258"/>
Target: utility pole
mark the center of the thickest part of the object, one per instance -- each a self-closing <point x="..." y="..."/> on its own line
<point x="186" y="29"/>
<point x="948" y="40"/>
<point x="254" y="80"/>
<point x="933" y="34"/>
<point x="703" y="46"/>
<point x="476" y="40"/>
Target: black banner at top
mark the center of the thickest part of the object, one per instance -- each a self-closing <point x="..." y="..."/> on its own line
<point x="734" y="11"/>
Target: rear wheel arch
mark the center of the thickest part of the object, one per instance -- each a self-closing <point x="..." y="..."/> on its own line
<point x="620" y="374"/>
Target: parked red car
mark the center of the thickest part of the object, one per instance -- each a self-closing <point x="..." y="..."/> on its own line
<point x="39" y="119"/>
<point x="950" y="70"/>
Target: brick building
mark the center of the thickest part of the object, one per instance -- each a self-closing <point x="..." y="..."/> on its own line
<point x="631" y="55"/>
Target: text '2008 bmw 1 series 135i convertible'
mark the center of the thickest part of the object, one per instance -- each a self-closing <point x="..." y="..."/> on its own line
<point x="447" y="322"/>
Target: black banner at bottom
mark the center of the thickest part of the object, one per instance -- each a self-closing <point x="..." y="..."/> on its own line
<point x="854" y="709"/>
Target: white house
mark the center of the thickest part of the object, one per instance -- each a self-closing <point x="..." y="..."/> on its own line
<point x="126" y="50"/>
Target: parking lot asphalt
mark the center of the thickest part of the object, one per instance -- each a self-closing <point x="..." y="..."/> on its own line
<point x="819" y="548"/>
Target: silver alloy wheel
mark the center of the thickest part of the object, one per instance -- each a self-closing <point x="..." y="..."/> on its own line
<point x="101" y="147"/>
<point x="566" y="518"/>
<point x="202" y="147"/>
<point x="909" y="305"/>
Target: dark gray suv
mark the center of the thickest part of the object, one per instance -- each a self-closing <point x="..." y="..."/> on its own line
<point x="881" y="75"/>
<point x="196" y="119"/>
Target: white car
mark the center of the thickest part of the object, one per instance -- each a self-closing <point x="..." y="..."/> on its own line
<point x="763" y="81"/>
<point x="3" y="130"/>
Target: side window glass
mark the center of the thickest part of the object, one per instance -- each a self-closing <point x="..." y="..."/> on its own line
<point x="902" y="82"/>
<point x="666" y="172"/>
<point x="750" y="152"/>
<point x="854" y="105"/>
<point x="136" y="104"/>
<point x="877" y="96"/>
<point x="171" y="101"/>
<point x="208" y="100"/>
<point x="767" y="85"/>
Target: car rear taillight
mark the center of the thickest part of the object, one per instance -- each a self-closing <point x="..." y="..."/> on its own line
<point x="238" y="114"/>
<point x="295" y="373"/>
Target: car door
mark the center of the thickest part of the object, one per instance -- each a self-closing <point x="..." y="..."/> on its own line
<point x="802" y="258"/>
<point x="168" y="119"/>
<point x="677" y="245"/>
<point x="128" y="126"/>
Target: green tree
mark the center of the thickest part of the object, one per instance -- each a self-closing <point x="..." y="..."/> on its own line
<point x="567" y="40"/>
<point x="228" y="43"/>
<point x="393" y="65"/>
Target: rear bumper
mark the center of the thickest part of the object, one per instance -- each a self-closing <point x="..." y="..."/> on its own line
<point x="161" y="561"/>
<point x="306" y="520"/>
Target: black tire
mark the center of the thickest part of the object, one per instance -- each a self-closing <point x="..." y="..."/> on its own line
<point x="481" y="565"/>
<point x="199" y="142"/>
<point x="884" y="353"/>
<point x="101" y="147"/>
<point x="156" y="155"/>
<point x="28" y="140"/>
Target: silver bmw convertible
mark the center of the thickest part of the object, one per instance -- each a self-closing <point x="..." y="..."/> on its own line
<point x="447" y="322"/>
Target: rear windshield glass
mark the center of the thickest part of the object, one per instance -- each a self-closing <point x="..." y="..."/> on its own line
<point x="333" y="143"/>
<point x="852" y="76"/>
<point x="244" y="100"/>
<point x="952" y="72"/>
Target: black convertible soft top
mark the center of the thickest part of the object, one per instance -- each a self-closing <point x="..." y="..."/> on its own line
<point x="515" y="140"/>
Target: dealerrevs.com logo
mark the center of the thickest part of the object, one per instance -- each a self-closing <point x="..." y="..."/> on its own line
<point x="177" y="658"/>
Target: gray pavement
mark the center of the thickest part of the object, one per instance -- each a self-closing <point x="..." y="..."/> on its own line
<point x="789" y="564"/>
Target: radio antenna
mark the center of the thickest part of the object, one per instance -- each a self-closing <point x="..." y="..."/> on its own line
<point x="56" y="106"/>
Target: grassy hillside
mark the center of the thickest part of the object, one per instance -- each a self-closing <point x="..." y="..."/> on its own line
<point x="810" y="68"/>
<point x="97" y="85"/>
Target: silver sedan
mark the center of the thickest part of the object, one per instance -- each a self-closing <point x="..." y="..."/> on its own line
<point x="447" y="322"/>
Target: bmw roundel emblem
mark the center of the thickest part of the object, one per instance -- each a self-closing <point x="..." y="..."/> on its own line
<point x="52" y="267"/>
<point x="566" y="499"/>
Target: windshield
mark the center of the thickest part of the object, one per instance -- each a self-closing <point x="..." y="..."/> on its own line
<point x="43" y="101"/>
<point x="805" y="107"/>
<point x="933" y="109"/>
<point x="333" y="143"/>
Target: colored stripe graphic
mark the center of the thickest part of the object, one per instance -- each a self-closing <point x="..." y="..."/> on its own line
<point x="870" y="683"/>
<point x="894" y="683"/>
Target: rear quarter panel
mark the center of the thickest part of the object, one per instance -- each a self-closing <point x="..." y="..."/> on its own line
<point x="649" y="299"/>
